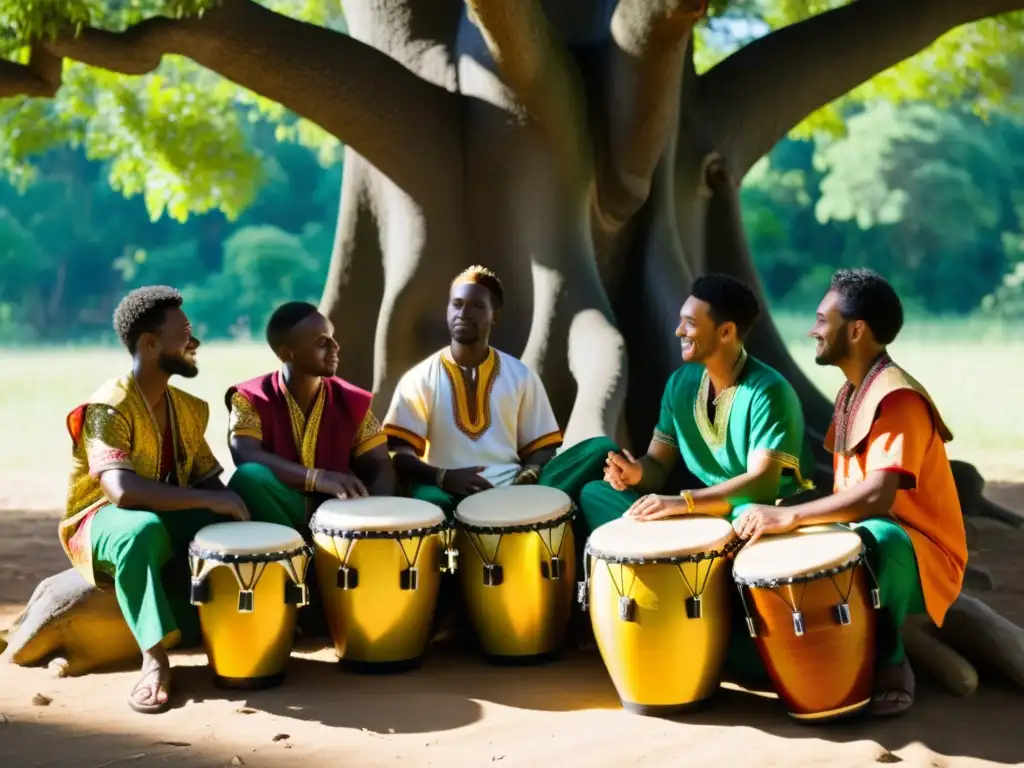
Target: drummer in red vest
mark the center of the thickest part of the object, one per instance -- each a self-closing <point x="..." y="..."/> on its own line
<point x="300" y="435"/>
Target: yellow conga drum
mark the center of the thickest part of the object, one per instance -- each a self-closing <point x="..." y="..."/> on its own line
<point x="378" y="566"/>
<point x="658" y="595"/>
<point x="810" y="597"/>
<point x="248" y="579"/>
<point x="518" y="570"/>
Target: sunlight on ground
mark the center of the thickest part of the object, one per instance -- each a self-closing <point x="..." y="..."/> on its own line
<point x="970" y="369"/>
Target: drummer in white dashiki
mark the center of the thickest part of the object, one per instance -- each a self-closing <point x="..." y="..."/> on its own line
<point x="471" y="417"/>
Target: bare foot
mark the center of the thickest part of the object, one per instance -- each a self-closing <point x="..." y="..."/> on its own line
<point x="151" y="694"/>
<point x="894" y="690"/>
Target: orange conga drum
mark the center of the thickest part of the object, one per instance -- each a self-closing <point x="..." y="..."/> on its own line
<point x="809" y="598"/>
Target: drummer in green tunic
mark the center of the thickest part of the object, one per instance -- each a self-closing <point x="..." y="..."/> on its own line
<point x="735" y="421"/>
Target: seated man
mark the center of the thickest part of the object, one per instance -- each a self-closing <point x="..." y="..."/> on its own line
<point x="301" y="434"/>
<point x="469" y="417"/>
<point x="736" y="422"/>
<point x="893" y="481"/>
<point x="143" y="482"/>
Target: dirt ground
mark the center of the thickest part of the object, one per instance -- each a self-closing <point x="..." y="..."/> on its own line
<point x="459" y="711"/>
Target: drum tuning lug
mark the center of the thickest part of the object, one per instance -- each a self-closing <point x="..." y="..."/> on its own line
<point x="296" y="594"/>
<point x="843" y="614"/>
<point x="581" y="594"/>
<point x="453" y="560"/>
<point x="200" y="592"/>
<point x="798" y="624"/>
<point x="551" y="569"/>
<point x="751" y="626"/>
<point x="627" y="609"/>
<point x="409" y="580"/>
<point x="876" y="598"/>
<point x="348" y="577"/>
<point x="494" y="575"/>
<point x="246" y="601"/>
<point x="694" y="608"/>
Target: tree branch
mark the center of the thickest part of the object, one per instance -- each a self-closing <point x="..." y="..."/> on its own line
<point x="40" y="77"/>
<point x="646" y="67"/>
<point x="365" y="98"/>
<point x="537" y="67"/>
<point x="756" y="95"/>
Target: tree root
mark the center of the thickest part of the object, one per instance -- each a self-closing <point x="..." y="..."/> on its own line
<point x="979" y="633"/>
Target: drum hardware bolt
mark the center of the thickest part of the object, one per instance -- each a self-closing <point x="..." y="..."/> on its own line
<point x="798" y="624"/>
<point x="200" y="592"/>
<point x="551" y="569"/>
<point x="296" y="594"/>
<point x="494" y="575"/>
<point x="876" y="598"/>
<point x="694" y="607"/>
<point x="843" y="614"/>
<point x="409" y="579"/>
<point x="246" y="601"/>
<point x="581" y="594"/>
<point x="453" y="560"/>
<point x="348" y="577"/>
<point x="627" y="609"/>
<point x="751" y="626"/>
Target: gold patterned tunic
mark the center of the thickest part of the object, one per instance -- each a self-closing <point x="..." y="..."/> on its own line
<point x="115" y="429"/>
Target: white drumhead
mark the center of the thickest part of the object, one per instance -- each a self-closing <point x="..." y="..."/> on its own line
<point x="674" y="537"/>
<point x="513" y="505"/>
<point x="376" y="513"/>
<point x="247" y="538"/>
<point x="797" y="554"/>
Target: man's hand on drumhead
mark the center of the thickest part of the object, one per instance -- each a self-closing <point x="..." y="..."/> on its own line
<point x="230" y="504"/>
<point x="340" y="485"/>
<point x="465" y="481"/>
<point x="759" y="519"/>
<point x="655" y="507"/>
<point x="622" y="471"/>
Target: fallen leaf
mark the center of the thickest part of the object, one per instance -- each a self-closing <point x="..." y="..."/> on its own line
<point x="281" y="737"/>
<point x="888" y="757"/>
<point x="41" y="701"/>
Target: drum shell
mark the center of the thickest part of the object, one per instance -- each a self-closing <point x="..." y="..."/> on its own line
<point x="828" y="671"/>
<point x="378" y="621"/>
<point x="526" y="615"/>
<point x="661" y="660"/>
<point x="248" y="649"/>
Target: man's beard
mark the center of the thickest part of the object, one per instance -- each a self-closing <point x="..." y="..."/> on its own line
<point x="177" y="366"/>
<point x="836" y="351"/>
<point x="465" y="335"/>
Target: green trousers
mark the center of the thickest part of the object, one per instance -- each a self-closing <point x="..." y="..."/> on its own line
<point x="146" y="555"/>
<point x="268" y="499"/>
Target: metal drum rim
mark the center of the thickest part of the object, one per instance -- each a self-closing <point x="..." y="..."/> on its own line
<point x="695" y="557"/>
<point x="780" y="581"/>
<point x="497" y="530"/>
<point x="350" y="533"/>
<point x="252" y="557"/>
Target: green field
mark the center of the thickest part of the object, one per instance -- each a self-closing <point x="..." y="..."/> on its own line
<point x="970" y="368"/>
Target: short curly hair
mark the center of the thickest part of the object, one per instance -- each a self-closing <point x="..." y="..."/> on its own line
<point x="866" y="295"/>
<point x="485" y="277"/>
<point x="142" y="311"/>
<point x="731" y="301"/>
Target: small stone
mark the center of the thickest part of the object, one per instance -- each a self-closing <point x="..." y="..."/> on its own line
<point x="245" y="711"/>
<point x="888" y="757"/>
<point x="41" y="701"/>
<point x="236" y="760"/>
<point x="281" y="737"/>
<point x="391" y="730"/>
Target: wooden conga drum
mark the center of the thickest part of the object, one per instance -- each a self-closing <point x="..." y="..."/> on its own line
<point x="378" y="566"/>
<point x="248" y="579"/>
<point x="518" y="570"/>
<point x="809" y="597"/>
<point x="658" y="596"/>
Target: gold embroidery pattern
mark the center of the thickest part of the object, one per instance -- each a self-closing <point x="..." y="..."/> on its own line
<point x="487" y="375"/>
<point x="790" y="462"/>
<point x="715" y="434"/>
<point x="369" y="436"/>
<point x="243" y="421"/>
<point x="107" y="438"/>
<point x="544" y="441"/>
<point x="305" y="431"/>
<point x="665" y="438"/>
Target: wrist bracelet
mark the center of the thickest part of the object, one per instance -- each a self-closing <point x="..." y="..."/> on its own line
<point x="312" y="476"/>
<point x="690" y="504"/>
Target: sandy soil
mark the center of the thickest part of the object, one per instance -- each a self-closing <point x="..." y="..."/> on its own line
<point x="458" y="711"/>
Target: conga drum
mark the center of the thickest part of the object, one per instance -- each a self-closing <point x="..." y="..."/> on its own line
<point x="809" y="597"/>
<point x="378" y="567"/>
<point x="518" y="570"/>
<point x="248" y="579"/>
<point x="658" y="595"/>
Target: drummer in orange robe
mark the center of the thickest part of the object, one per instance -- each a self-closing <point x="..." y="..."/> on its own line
<point x="893" y="481"/>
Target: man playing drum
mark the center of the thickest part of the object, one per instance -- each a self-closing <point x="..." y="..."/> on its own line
<point x="470" y="417"/>
<point x="893" y="481"/>
<point x="143" y="482"/>
<point x="736" y="422"/>
<point x="302" y="433"/>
